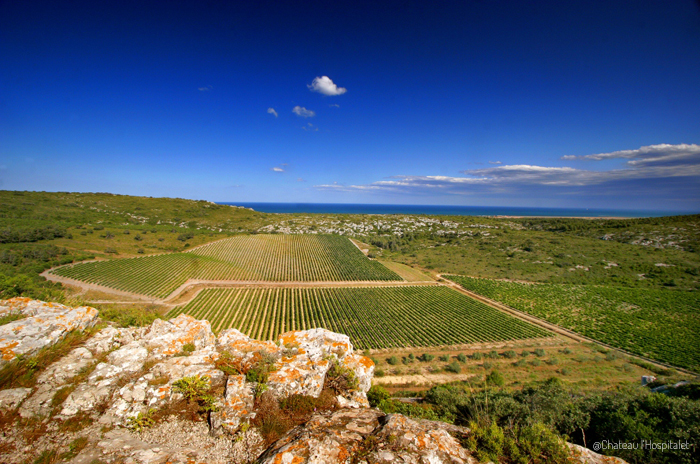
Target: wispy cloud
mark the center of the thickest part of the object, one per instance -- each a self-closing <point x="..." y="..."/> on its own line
<point x="205" y="89"/>
<point x="495" y="162"/>
<point x="303" y="112"/>
<point x="272" y="112"/>
<point x="299" y="179"/>
<point x="310" y="127"/>
<point x="334" y="105"/>
<point x="326" y="86"/>
<point x="649" y="172"/>
<point x="277" y="169"/>
<point x="649" y="155"/>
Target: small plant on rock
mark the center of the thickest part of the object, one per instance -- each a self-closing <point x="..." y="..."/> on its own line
<point x="192" y="387"/>
<point x="141" y="422"/>
<point x="341" y="379"/>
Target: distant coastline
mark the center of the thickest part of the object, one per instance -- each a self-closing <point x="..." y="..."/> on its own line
<point x="447" y="210"/>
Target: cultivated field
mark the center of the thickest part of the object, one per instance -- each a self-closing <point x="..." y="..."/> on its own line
<point x="256" y="257"/>
<point x="373" y="317"/>
<point x="661" y="324"/>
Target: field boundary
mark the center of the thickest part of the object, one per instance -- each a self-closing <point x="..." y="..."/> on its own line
<point x="557" y="328"/>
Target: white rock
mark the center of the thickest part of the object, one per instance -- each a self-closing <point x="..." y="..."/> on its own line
<point x="45" y="324"/>
<point x="11" y="398"/>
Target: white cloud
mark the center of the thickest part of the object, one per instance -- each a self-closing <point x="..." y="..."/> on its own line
<point x="663" y="153"/>
<point x="205" y="89"/>
<point x="334" y="105"/>
<point x="326" y="86"/>
<point x="272" y="111"/>
<point x="310" y="127"/>
<point x="303" y="112"/>
<point x="495" y="162"/>
<point x="277" y="169"/>
<point x="299" y="179"/>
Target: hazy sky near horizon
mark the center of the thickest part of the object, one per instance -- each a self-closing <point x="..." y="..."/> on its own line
<point x="554" y="104"/>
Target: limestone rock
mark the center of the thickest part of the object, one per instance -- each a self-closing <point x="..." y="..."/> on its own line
<point x="325" y="439"/>
<point x="11" y="398"/>
<point x="237" y="406"/>
<point x="45" y="324"/>
<point x="120" y="376"/>
<point x="585" y="456"/>
<point x="410" y="441"/>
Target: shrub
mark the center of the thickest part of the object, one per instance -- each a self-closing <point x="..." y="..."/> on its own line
<point x="534" y="443"/>
<point x="461" y="357"/>
<point x="495" y="378"/>
<point x="539" y="352"/>
<point x="454" y="367"/>
<point x="192" y="387"/>
<point x="261" y="370"/>
<point x="425" y="357"/>
<point x="535" y="362"/>
<point x="111" y="250"/>
<point x="392" y="360"/>
<point x="227" y="364"/>
<point x="341" y="379"/>
<point x="525" y="354"/>
<point x="142" y="421"/>
<point x="567" y="351"/>
<point x="510" y="354"/>
<point x="477" y="356"/>
<point x="195" y="389"/>
<point x="552" y="361"/>
<point x="492" y="354"/>
<point x="487" y="365"/>
<point x="376" y="395"/>
<point x="444" y="357"/>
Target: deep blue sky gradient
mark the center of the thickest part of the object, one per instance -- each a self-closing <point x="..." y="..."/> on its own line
<point x="105" y="96"/>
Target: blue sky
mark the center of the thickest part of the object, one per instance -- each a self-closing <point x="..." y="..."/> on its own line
<point x="561" y="104"/>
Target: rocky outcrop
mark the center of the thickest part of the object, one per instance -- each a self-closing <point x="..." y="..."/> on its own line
<point x="370" y="435"/>
<point x="111" y="384"/>
<point x="43" y="324"/>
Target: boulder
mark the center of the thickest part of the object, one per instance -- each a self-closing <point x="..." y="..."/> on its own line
<point x="44" y="325"/>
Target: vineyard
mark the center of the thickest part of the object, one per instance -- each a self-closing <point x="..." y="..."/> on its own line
<point x="373" y="317"/>
<point x="246" y="257"/>
<point x="660" y="324"/>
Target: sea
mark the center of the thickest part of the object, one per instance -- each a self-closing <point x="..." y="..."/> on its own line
<point x="447" y="210"/>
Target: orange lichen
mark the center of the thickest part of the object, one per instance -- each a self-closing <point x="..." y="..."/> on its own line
<point x="289" y="338"/>
<point x="7" y="350"/>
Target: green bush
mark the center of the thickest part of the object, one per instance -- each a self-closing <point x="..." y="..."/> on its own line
<point x="393" y="360"/>
<point x="425" y="357"/>
<point x="510" y="354"/>
<point x="477" y="356"/>
<point x="461" y="357"/>
<point x="495" y="378"/>
<point x="454" y="367"/>
<point x="444" y="358"/>
<point x="376" y="395"/>
<point x="539" y="352"/>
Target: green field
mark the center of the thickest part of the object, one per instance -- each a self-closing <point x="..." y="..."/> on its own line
<point x="246" y="257"/>
<point x="373" y="317"/>
<point x="661" y="324"/>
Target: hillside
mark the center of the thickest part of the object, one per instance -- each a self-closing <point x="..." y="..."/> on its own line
<point x="174" y="392"/>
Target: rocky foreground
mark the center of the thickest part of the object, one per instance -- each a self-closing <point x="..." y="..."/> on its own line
<point x="174" y="392"/>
